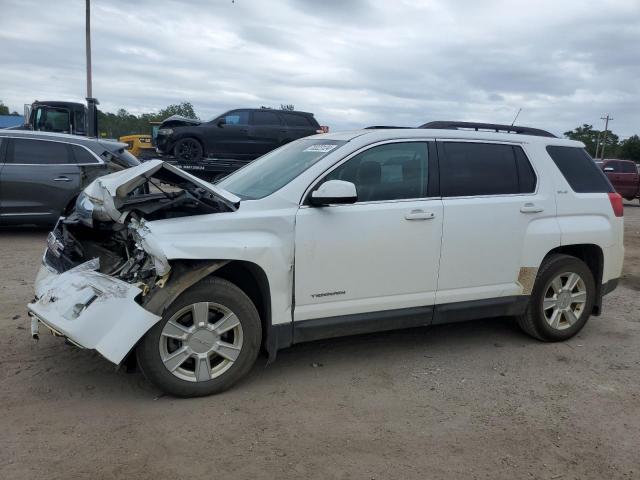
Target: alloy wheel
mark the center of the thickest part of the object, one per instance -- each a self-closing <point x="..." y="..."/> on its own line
<point x="564" y="300"/>
<point x="201" y="341"/>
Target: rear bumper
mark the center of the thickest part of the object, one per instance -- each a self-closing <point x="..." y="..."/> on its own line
<point x="92" y="310"/>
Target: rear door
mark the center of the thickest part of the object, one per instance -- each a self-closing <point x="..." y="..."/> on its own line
<point x="497" y="214"/>
<point x="38" y="180"/>
<point x="266" y="132"/>
<point x="611" y="169"/>
<point x="628" y="180"/>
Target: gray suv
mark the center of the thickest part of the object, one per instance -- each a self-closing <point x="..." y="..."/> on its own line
<point x="41" y="174"/>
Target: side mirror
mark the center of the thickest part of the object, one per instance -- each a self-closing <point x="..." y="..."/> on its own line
<point x="608" y="169"/>
<point x="336" y="192"/>
<point x="222" y="121"/>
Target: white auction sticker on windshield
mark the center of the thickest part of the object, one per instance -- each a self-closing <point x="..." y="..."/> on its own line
<point x="319" y="147"/>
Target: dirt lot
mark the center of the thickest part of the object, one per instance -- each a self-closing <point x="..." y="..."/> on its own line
<point x="474" y="400"/>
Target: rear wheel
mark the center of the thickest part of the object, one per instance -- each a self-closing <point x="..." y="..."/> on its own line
<point x="206" y="341"/>
<point x="188" y="150"/>
<point x="561" y="301"/>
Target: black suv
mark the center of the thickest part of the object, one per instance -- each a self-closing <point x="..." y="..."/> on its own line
<point x="243" y="134"/>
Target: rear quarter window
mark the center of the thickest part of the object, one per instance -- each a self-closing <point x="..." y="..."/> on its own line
<point x="579" y="169"/>
<point x="82" y="155"/>
<point x="295" y="120"/>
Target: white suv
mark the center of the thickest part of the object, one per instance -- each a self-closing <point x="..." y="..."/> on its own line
<point x="331" y="235"/>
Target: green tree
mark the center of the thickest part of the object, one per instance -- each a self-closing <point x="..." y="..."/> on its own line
<point x="587" y="135"/>
<point x="184" y="109"/>
<point x="289" y="107"/>
<point x="630" y="149"/>
<point x="115" y="125"/>
<point x="4" y="110"/>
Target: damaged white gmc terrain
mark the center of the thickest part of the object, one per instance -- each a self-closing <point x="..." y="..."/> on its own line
<point x="331" y="235"/>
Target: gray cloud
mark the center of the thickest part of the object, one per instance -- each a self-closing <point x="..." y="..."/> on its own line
<point x="353" y="63"/>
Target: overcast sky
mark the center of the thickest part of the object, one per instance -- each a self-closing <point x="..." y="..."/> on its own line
<point x="352" y="62"/>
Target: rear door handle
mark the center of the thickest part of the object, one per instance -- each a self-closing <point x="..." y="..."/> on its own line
<point x="419" y="215"/>
<point x="62" y="178"/>
<point x="531" y="208"/>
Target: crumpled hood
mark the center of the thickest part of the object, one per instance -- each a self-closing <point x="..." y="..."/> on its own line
<point x="107" y="192"/>
<point x="179" y="120"/>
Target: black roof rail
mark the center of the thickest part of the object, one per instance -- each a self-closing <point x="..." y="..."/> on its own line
<point x="379" y="127"/>
<point x="492" y="127"/>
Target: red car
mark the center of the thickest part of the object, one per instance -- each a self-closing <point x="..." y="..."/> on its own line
<point x="624" y="176"/>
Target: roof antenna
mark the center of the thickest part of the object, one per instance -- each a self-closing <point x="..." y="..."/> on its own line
<point x="516" y="117"/>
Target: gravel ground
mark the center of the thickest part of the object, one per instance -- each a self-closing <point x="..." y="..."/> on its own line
<point x="472" y="400"/>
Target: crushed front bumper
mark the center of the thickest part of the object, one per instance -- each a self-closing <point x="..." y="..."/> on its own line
<point x="91" y="309"/>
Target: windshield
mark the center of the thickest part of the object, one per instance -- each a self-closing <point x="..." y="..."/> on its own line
<point x="274" y="170"/>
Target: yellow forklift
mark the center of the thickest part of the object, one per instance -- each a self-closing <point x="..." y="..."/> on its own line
<point x="142" y="145"/>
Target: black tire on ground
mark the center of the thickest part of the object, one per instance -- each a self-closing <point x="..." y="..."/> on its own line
<point x="533" y="321"/>
<point x="188" y="150"/>
<point x="210" y="289"/>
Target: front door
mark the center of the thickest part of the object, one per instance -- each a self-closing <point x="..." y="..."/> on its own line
<point x="379" y="254"/>
<point x="230" y="137"/>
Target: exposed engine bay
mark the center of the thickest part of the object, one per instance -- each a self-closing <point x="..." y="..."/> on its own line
<point x="109" y="221"/>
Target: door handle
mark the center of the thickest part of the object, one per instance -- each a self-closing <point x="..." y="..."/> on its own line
<point x="419" y="215"/>
<point x="531" y="208"/>
<point x="62" y="178"/>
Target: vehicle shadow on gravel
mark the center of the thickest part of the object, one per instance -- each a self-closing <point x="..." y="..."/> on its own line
<point x="86" y="374"/>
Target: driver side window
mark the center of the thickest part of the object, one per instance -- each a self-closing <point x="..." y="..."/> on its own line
<point x="393" y="171"/>
<point x="237" y="117"/>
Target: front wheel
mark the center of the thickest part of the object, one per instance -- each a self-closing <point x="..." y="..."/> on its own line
<point x="561" y="301"/>
<point x="207" y="340"/>
<point x="188" y="150"/>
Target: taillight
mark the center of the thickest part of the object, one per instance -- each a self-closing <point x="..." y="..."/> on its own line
<point x="616" y="204"/>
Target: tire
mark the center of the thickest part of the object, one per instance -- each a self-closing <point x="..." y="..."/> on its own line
<point x="188" y="150"/>
<point x="160" y="349"/>
<point x="545" y="322"/>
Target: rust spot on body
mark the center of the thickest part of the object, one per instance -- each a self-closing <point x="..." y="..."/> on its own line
<point x="527" y="278"/>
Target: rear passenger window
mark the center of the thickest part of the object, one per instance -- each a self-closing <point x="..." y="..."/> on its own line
<point x="265" y="118"/>
<point x="469" y="169"/>
<point x="628" y="167"/>
<point x="294" y="120"/>
<point x="82" y="155"/>
<point x="38" y="152"/>
<point x="579" y="169"/>
<point x="392" y="171"/>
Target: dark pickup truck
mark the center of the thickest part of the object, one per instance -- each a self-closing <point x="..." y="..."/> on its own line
<point x="623" y="175"/>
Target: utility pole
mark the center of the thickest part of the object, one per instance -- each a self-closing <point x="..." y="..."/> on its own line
<point x="88" y="46"/>
<point x="606" y="119"/>
<point x="597" y="144"/>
